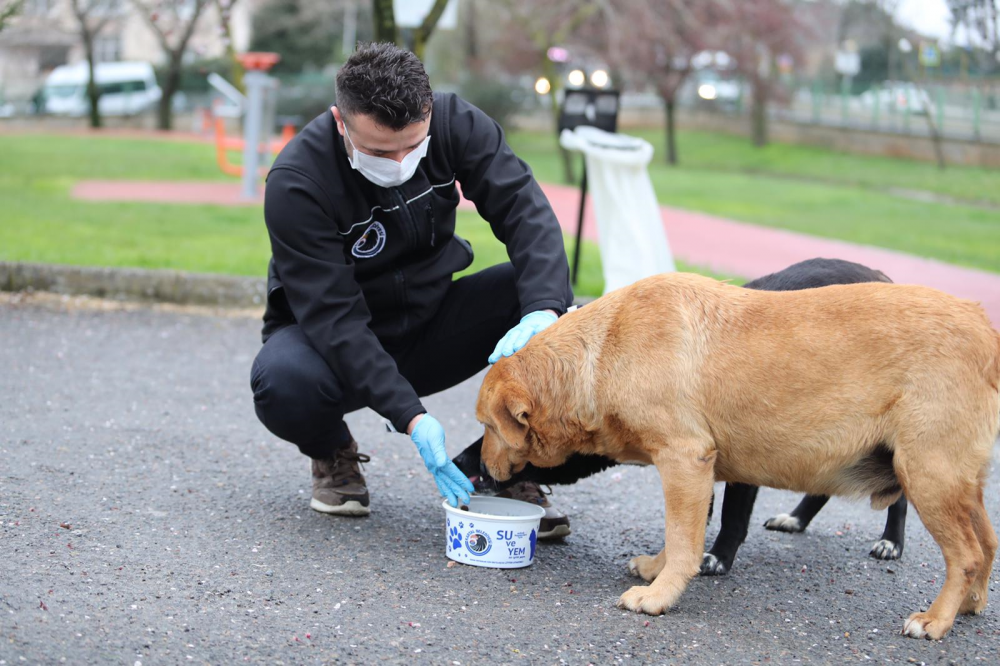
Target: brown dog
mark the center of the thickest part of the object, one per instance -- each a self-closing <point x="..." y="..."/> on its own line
<point x="859" y="390"/>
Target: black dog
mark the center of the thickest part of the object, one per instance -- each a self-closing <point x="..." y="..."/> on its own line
<point x="739" y="498"/>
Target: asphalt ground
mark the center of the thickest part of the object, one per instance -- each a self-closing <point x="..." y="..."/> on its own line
<point x="147" y="517"/>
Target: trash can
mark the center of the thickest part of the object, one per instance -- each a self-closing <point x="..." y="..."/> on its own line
<point x="631" y="237"/>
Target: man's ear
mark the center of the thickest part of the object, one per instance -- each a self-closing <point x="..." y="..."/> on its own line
<point x="510" y="415"/>
<point x="337" y="117"/>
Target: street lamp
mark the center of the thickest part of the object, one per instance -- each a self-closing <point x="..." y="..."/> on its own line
<point x="599" y="78"/>
<point x="542" y="86"/>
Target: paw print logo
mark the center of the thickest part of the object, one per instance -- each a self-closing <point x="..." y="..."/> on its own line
<point x="461" y="525"/>
<point x="454" y="538"/>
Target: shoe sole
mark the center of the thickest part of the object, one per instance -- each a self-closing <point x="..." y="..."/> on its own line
<point x="350" y="508"/>
<point x="557" y="532"/>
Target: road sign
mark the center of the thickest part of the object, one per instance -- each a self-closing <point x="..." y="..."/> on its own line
<point x="930" y="54"/>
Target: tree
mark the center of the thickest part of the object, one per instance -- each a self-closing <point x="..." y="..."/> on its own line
<point x="173" y="22"/>
<point x="8" y="10"/>
<point x="654" y="43"/>
<point x="530" y="29"/>
<point x="756" y="33"/>
<point x="225" y="10"/>
<point x="91" y="17"/>
<point x="386" y="30"/>
<point x="304" y="33"/>
<point x="981" y="20"/>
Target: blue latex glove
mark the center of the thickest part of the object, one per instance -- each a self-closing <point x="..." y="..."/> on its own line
<point x="428" y="435"/>
<point x="517" y="337"/>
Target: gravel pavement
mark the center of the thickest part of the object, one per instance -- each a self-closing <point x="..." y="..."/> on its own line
<point x="147" y="517"/>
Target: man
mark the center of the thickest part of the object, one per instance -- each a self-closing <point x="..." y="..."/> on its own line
<point x="362" y="310"/>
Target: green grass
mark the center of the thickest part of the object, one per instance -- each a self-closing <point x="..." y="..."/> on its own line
<point x="34" y="157"/>
<point x="41" y="223"/>
<point x="804" y="189"/>
<point x="818" y="192"/>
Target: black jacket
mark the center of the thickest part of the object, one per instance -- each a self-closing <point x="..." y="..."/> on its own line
<point x="355" y="264"/>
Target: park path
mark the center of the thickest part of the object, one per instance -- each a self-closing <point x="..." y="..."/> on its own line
<point x="724" y="246"/>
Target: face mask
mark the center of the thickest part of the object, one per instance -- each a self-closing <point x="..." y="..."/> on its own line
<point x="385" y="172"/>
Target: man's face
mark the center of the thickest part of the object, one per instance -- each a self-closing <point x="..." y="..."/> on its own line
<point x="377" y="141"/>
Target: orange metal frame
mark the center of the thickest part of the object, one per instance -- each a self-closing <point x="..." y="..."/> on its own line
<point x="225" y="143"/>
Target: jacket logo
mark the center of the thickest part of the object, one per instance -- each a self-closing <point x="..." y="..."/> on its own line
<point x="371" y="242"/>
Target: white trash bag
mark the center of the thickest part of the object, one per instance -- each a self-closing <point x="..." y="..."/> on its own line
<point x="630" y="230"/>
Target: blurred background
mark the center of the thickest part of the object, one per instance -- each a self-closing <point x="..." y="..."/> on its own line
<point x="871" y="122"/>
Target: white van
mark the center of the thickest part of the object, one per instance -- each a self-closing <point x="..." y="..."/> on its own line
<point x="127" y="88"/>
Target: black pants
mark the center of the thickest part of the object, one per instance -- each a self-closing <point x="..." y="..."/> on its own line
<point x="299" y="399"/>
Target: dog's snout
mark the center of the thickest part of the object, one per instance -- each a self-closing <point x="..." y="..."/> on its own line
<point x="482" y="469"/>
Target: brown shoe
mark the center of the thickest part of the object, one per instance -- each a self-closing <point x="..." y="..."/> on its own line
<point x="338" y="486"/>
<point x="555" y="523"/>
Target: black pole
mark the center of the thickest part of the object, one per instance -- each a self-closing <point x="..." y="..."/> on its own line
<point x="579" y="224"/>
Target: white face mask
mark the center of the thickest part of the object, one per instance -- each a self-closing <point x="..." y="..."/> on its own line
<point x="385" y="172"/>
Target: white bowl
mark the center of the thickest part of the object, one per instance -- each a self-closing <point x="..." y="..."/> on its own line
<point x="495" y="532"/>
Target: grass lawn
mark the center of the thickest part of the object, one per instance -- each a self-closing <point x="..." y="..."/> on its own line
<point x="41" y="223"/>
<point x="805" y="189"/>
<point x="817" y="191"/>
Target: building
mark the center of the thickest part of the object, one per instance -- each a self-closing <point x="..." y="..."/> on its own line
<point x="47" y="34"/>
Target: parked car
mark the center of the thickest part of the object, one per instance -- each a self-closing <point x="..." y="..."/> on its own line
<point x="127" y="89"/>
<point x="906" y="97"/>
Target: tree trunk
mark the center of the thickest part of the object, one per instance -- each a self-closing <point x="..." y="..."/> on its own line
<point x="758" y="115"/>
<point x="550" y="73"/>
<point x="385" y="22"/>
<point x="669" y="107"/>
<point x="93" y="92"/>
<point x="172" y="81"/>
<point x="423" y="33"/>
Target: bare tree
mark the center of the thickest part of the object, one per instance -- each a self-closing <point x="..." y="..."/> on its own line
<point x="225" y="10"/>
<point x="654" y="43"/>
<point x="173" y="22"/>
<point x="756" y="33"/>
<point x="385" y="22"/>
<point x="981" y="18"/>
<point x="386" y="29"/>
<point x="92" y="16"/>
<point x="8" y="10"/>
<point x="529" y="28"/>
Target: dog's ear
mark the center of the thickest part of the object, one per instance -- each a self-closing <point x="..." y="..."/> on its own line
<point x="511" y="411"/>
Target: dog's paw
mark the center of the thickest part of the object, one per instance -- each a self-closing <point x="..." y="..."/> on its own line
<point x="644" y="599"/>
<point x="886" y="550"/>
<point x="923" y="625"/>
<point x="974" y="604"/>
<point x="712" y="566"/>
<point x="784" y="522"/>
<point x="646" y="567"/>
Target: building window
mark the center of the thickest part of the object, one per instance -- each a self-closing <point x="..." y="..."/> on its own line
<point x="107" y="48"/>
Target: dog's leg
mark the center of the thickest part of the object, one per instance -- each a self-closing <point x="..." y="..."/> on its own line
<point x="975" y="602"/>
<point x="737" y="505"/>
<point x="686" y="473"/>
<point x="946" y="504"/>
<point x="800" y="517"/>
<point x="890" y="546"/>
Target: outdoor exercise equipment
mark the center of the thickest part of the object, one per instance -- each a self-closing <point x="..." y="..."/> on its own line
<point x="257" y="110"/>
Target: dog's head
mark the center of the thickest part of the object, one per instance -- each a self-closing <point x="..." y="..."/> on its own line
<point x="518" y="431"/>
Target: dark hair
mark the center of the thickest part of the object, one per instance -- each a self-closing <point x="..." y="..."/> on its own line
<point x="385" y="82"/>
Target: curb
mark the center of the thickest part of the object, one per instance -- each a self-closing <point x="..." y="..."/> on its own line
<point x="135" y="284"/>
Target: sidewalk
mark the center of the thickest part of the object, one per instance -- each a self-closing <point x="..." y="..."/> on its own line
<point x="724" y="246"/>
<point x="749" y="250"/>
